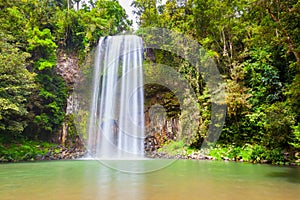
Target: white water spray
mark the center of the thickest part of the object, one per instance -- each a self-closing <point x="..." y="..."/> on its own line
<point x="116" y="123"/>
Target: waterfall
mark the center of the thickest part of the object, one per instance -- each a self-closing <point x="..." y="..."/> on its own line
<point x="116" y="121"/>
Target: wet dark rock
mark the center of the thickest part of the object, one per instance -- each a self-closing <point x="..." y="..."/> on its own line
<point x="225" y="158"/>
<point x="39" y="157"/>
<point x="150" y="144"/>
<point x="264" y="161"/>
<point x="48" y="154"/>
<point x="209" y="158"/>
<point x="62" y="153"/>
<point x="52" y="158"/>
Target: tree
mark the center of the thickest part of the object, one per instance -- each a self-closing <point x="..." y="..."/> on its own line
<point x="16" y="84"/>
<point x="256" y="47"/>
<point x="146" y="12"/>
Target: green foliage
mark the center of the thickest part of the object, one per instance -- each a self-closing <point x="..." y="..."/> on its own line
<point x="42" y="47"/>
<point x="279" y="120"/>
<point x="296" y="137"/>
<point x="231" y="152"/>
<point x="70" y="30"/>
<point x="24" y="151"/>
<point x="32" y="95"/>
<point x="105" y="17"/>
<point x="255" y="44"/>
<point x="16" y="84"/>
<point x="48" y="110"/>
<point x="262" y="78"/>
<point x="147" y="12"/>
<point x="249" y="153"/>
<point x="256" y="47"/>
<point x="261" y="154"/>
<point x="173" y="147"/>
<point x="293" y="95"/>
<point x="71" y="125"/>
<point x="82" y="29"/>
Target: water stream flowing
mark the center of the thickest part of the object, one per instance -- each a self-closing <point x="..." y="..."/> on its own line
<point x="116" y="122"/>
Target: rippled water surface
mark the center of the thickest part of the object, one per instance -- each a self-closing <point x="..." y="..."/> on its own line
<point x="182" y="179"/>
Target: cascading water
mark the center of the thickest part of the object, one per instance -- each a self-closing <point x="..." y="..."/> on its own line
<point x="116" y="123"/>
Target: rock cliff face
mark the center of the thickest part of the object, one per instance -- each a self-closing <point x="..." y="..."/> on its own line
<point x="67" y="67"/>
<point x="162" y="112"/>
<point x="160" y="131"/>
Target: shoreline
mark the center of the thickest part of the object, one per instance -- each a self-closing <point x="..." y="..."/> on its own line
<point x="201" y="156"/>
<point x="57" y="152"/>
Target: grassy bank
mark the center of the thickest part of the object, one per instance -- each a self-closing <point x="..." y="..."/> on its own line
<point x="32" y="150"/>
<point x="24" y="150"/>
<point x="246" y="153"/>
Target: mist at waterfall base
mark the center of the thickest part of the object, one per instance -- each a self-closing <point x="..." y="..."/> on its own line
<point x="116" y="121"/>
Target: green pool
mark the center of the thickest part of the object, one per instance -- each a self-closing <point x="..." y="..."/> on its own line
<point x="182" y="179"/>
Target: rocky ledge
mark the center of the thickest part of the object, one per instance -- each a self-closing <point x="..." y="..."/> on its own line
<point x="62" y="153"/>
<point x="192" y="156"/>
<point x="197" y="155"/>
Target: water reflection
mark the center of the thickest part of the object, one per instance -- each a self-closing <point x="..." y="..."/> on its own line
<point x="292" y="174"/>
<point x="136" y="166"/>
<point x="184" y="179"/>
<point x="109" y="184"/>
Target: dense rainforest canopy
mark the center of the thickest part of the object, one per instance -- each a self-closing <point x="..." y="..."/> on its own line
<point x="255" y="44"/>
<point x="33" y="96"/>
